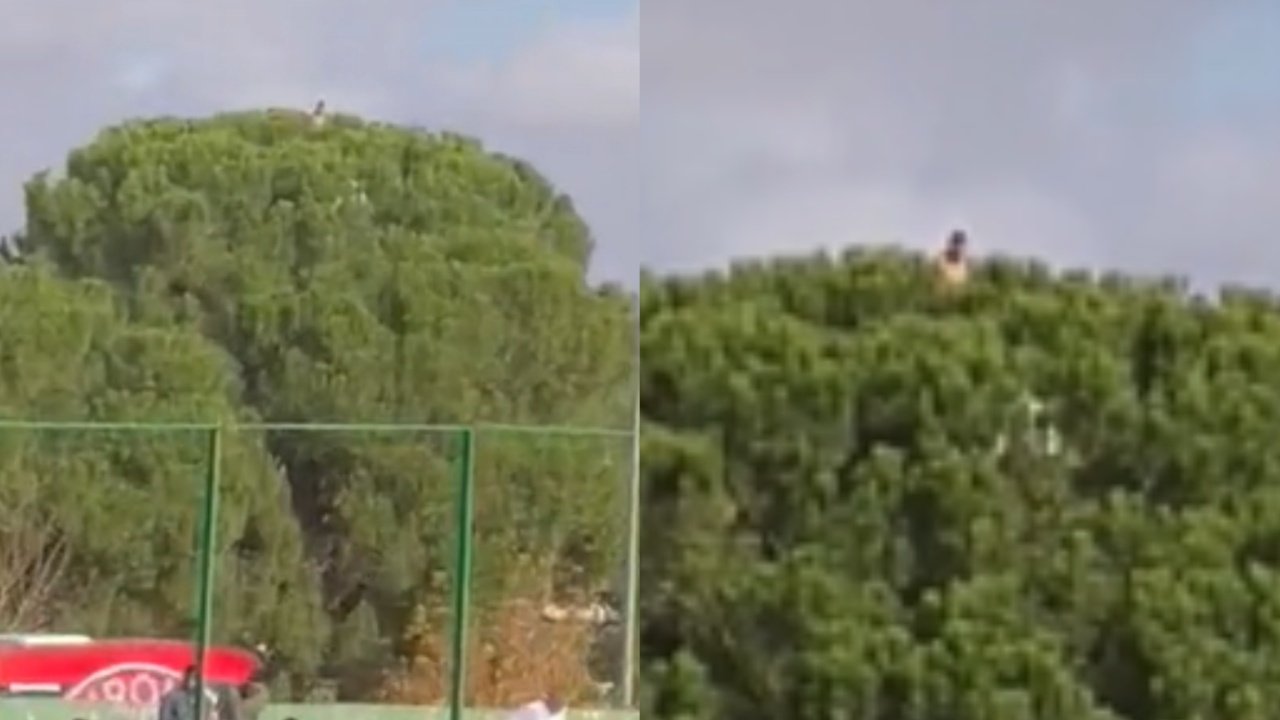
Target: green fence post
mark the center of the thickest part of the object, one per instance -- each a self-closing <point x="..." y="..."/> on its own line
<point x="208" y="535"/>
<point x="465" y="499"/>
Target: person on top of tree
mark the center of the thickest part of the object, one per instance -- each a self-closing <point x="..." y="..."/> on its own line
<point x="953" y="262"/>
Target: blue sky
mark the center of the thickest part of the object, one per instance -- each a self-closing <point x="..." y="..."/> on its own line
<point x="555" y="81"/>
<point x="1141" y="135"/>
<point x="491" y="30"/>
<point x="1236" y="63"/>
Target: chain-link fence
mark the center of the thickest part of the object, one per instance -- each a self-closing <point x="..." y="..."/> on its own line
<point x="408" y="565"/>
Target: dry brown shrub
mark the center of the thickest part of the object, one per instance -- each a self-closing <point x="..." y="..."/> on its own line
<point x="33" y="559"/>
<point x="513" y="656"/>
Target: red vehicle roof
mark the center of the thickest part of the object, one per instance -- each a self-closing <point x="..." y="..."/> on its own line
<point x="67" y="665"/>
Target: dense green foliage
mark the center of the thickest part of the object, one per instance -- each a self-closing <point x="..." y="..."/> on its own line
<point x="852" y="511"/>
<point x="260" y="267"/>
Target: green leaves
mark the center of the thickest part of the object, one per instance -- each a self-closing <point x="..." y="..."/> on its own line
<point x="255" y="266"/>
<point x="894" y="538"/>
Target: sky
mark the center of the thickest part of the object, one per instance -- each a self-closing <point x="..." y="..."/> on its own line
<point x="554" y="82"/>
<point x="1141" y="135"/>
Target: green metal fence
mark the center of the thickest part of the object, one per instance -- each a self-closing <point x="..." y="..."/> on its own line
<point x="392" y="563"/>
<point x="58" y="710"/>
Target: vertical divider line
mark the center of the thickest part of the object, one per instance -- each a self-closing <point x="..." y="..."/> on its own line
<point x="630" y="651"/>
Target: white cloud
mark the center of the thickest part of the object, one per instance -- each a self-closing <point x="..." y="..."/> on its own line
<point x="1057" y="129"/>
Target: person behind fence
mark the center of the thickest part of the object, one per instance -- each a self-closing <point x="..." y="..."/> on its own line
<point x="180" y="702"/>
<point x="254" y="697"/>
<point x="228" y="705"/>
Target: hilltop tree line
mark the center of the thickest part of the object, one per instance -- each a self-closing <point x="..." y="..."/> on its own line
<point x="262" y="267"/>
<point x="1039" y="495"/>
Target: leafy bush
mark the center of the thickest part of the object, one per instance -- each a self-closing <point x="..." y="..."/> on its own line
<point x="850" y="512"/>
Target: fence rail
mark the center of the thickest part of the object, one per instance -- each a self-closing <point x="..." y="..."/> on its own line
<point x="551" y="507"/>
